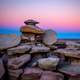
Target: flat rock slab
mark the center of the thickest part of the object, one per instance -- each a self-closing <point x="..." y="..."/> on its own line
<point x="48" y="63"/>
<point x="69" y="52"/>
<point x="15" y="73"/>
<point x="31" y="74"/>
<point x="9" y="40"/>
<point x="19" y="49"/>
<point x="17" y="62"/>
<point x="72" y="43"/>
<point x="71" y="70"/>
<point x="38" y="49"/>
<point x="49" y="75"/>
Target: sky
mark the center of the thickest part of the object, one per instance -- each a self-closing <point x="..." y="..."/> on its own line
<point x="63" y="16"/>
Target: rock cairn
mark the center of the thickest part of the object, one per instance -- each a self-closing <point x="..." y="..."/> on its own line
<point x="39" y="55"/>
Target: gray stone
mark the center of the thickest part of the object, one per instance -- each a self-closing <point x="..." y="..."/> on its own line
<point x="31" y="74"/>
<point x="68" y="52"/>
<point x="9" y="40"/>
<point x="19" y="49"/>
<point x="48" y="63"/>
<point x="15" y="63"/>
<point x="14" y="74"/>
<point x="49" y="37"/>
<point x="72" y="70"/>
<point x="38" y="49"/>
<point x="49" y="75"/>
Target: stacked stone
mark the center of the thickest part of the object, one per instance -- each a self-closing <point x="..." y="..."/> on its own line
<point x="32" y="74"/>
<point x="71" y="54"/>
<point x="6" y="41"/>
<point x="40" y="56"/>
<point x="17" y="58"/>
<point x="32" y="56"/>
<point x="29" y="60"/>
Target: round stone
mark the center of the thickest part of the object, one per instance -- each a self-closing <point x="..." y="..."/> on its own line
<point x="49" y="37"/>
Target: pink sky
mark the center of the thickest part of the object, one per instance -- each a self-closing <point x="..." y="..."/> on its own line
<point x="61" y="15"/>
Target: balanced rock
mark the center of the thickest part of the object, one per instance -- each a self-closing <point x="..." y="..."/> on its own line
<point x="71" y="70"/>
<point x="48" y="63"/>
<point x="48" y="75"/>
<point x="17" y="62"/>
<point x="31" y="74"/>
<point x="19" y="49"/>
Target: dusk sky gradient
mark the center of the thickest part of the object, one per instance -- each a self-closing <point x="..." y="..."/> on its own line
<point x="63" y="16"/>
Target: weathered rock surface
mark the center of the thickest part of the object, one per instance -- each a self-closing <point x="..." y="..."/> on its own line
<point x="48" y="75"/>
<point x="72" y="70"/>
<point x="14" y="74"/>
<point x="72" y="43"/>
<point x="49" y="37"/>
<point x="7" y="41"/>
<point x="19" y="49"/>
<point x="38" y="49"/>
<point x="31" y="74"/>
<point x="17" y="62"/>
<point x="48" y="63"/>
<point x="69" y="52"/>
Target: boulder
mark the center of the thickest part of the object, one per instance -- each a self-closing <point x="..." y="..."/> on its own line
<point x="31" y="74"/>
<point x="48" y="63"/>
<point x="49" y="75"/>
<point x="49" y="37"/>
<point x="15" y="63"/>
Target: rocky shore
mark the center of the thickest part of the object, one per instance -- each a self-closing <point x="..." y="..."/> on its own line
<point x="38" y="55"/>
